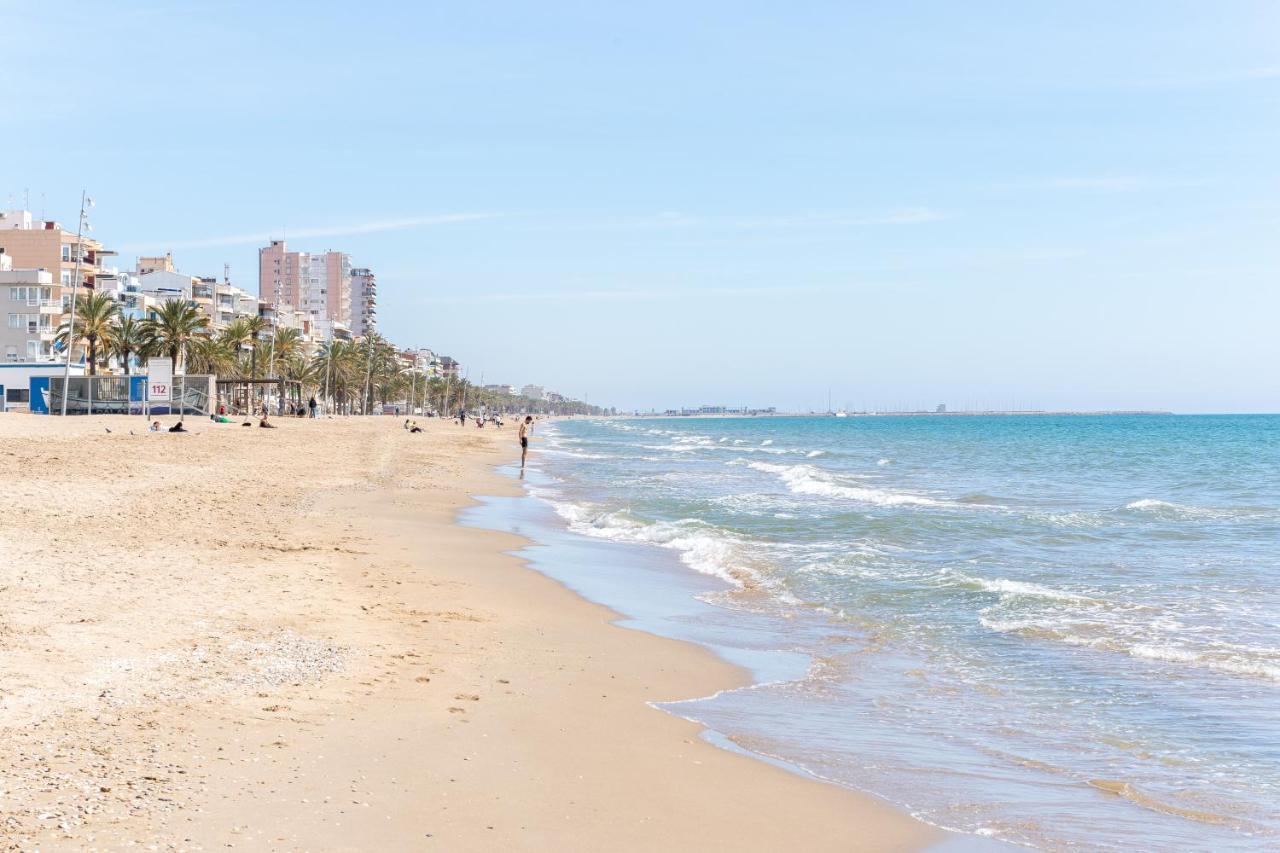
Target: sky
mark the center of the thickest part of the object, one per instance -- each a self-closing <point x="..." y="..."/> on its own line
<point x="1068" y="205"/>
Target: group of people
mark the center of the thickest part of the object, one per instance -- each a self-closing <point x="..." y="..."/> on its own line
<point x="494" y="418"/>
<point x="410" y="425"/>
<point x="526" y="429"/>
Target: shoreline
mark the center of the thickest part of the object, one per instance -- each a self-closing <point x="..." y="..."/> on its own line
<point x="394" y="680"/>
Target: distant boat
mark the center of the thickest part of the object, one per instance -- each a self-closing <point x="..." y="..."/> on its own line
<point x="842" y="414"/>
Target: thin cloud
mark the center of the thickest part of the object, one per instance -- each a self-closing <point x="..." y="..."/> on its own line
<point x="373" y="227"/>
<point x="677" y="220"/>
<point x="1107" y="183"/>
<point x="632" y="295"/>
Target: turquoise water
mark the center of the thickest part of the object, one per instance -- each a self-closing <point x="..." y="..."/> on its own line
<point x="1057" y="631"/>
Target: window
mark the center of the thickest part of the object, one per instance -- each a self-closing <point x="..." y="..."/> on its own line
<point x="16" y="321"/>
<point x="66" y="276"/>
<point x="33" y="349"/>
<point x="66" y="252"/>
<point x="17" y="395"/>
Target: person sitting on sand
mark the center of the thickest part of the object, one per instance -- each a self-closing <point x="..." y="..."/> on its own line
<point x="264" y="423"/>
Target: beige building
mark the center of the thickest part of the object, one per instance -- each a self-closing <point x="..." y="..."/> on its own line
<point x="163" y="263"/>
<point x="44" y="244"/>
<point x="31" y="312"/>
<point x="319" y="284"/>
<point x="42" y="254"/>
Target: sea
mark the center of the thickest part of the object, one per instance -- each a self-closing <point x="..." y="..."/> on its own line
<point x="1058" y="632"/>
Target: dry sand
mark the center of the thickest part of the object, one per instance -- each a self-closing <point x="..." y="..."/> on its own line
<point x="279" y="640"/>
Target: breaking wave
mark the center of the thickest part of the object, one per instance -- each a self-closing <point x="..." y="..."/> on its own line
<point x="808" y="480"/>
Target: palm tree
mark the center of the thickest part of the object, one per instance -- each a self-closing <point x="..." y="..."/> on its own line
<point x="288" y="343"/>
<point x="207" y="354"/>
<point x="380" y="364"/>
<point x="93" y="325"/>
<point x="177" y="323"/>
<point x="236" y="333"/>
<point x="129" y="338"/>
<point x="339" y="366"/>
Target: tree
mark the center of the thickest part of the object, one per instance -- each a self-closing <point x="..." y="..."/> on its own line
<point x="207" y="354"/>
<point x="288" y="344"/>
<point x="93" y="325"/>
<point x="176" y="325"/>
<point x="130" y="337"/>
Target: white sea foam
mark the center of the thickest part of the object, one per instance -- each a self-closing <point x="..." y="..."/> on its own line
<point x="766" y="442"/>
<point x="1003" y="586"/>
<point x="702" y="547"/>
<point x="884" y="461"/>
<point x="575" y="454"/>
<point x="814" y="454"/>
<point x="1137" y="640"/>
<point x="808" y="480"/>
<point x="1169" y="509"/>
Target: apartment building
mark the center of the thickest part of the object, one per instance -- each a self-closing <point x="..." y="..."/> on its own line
<point x="32" y="311"/>
<point x="364" y="302"/>
<point x="34" y="243"/>
<point x="318" y="283"/>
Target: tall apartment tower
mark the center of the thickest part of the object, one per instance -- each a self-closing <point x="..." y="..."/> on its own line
<point x="364" y="302"/>
<point x="319" y="284"/>
<point x="279" y="275"/>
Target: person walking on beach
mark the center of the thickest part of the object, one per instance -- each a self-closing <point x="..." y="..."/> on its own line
<point x="311" y="404"/>
<point x="525" y="429"/>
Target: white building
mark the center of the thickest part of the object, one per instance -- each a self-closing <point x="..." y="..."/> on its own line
<point x="364" y="302"/>
<point x="16" y="383"/>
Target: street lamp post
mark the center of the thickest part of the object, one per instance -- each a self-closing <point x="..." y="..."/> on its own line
<point x="75" y="287"/>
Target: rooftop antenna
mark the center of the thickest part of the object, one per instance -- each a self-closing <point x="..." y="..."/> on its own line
<point x="226" y="273"/>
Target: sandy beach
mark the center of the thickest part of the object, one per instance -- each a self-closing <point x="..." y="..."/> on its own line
<point x="280" y="640"/>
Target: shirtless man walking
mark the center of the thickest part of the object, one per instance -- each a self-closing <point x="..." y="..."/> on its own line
<point x="526" y="427"/>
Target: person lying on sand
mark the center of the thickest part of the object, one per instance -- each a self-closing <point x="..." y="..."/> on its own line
<point x="155" y="427"/>
<point x="178" y="427"/>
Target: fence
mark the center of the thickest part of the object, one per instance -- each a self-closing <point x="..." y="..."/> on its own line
<point x="126" y="395"/>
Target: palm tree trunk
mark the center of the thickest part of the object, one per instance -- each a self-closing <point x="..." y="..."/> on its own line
<point x="93" y="357"/>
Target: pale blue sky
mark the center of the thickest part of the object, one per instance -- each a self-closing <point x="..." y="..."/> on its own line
<point x="658" y="204"/>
